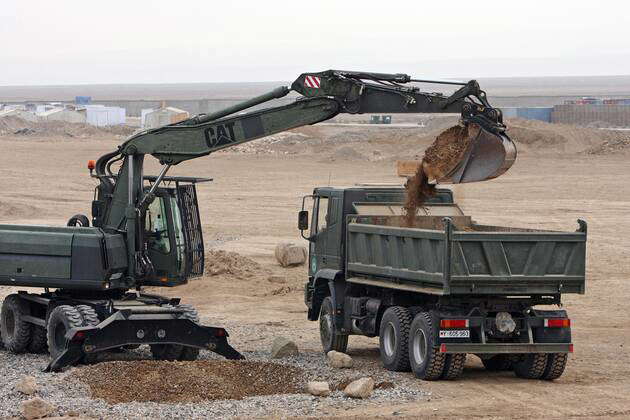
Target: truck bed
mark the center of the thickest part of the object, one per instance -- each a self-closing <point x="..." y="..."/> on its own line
<point x="454" y="256"/>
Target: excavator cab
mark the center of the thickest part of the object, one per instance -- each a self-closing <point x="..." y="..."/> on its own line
<point x="172" y="232"/>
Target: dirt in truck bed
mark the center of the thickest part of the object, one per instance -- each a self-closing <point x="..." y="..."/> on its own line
<point x="439" y="159"/>
<point x="177" y="382"/>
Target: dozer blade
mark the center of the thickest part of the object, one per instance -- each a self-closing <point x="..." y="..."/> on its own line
<point x="487" y="156"/>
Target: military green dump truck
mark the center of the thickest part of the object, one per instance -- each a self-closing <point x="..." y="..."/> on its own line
<point x="439" y="290"/>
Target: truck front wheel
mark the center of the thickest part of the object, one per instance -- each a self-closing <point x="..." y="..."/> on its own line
<point x="330" y="337"/>
<point x="394" y="338"/>
<point x="426" y="361"/>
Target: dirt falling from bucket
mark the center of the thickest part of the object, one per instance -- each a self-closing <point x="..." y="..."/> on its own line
<point x="439" y="160"/>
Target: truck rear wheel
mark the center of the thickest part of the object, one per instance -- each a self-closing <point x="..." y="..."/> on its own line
<point x="62" y="319"/>
<point x="556" y="362"/>
<point x="453" y="366"/>
<point x="500" y="362"/>
<point x="330" y="338"/>
<point x="532" y="366"/>
<point x="426" y="361"/>
<point x="394" y="339"/>
<point x="15" y="331"/>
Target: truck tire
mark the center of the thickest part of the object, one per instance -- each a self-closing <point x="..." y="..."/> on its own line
<point x="39" y="341"/>
<point x="500" y="362"/>
<point x="189" y="353"/>
<point x="62" y="319"/>
<point x="90" y="319"/>
<point x="15" y="331"/>
<point x="394" y="339"/>
<point x="426" y="361"/>
<point x="453" y="366"/>
<point x="532" y="366"/>
<point x="556" y="362"/>
<point x="330" y="338"/>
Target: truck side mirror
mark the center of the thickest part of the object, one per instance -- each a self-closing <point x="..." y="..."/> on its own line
<point x="303" y="220"/>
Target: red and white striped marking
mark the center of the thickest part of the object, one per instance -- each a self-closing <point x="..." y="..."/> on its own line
<point x="312" y="82"/>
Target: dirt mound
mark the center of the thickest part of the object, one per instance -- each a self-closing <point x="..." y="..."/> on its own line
<point x="17" y="126"/>
<point x="610" y="147"/>
<point x="220" y="262"/>
<point x="179" y="382"/>
<point x="544" y="137"/>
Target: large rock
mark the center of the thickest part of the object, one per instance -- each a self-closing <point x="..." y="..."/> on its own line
<point x="361" y="388"/>
<point x="36" y="408"/>
<point x="339" y="360"/>
<point x="27" y="385"/>
<point x="319" y="389"/>
<point x="283" y="347"/>
<point x="288" y="254"/>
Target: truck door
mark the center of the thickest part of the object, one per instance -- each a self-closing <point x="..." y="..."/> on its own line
<point x="326" y="228"/>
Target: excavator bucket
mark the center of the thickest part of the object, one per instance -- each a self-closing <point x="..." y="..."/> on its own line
<point x="486" y="155"/>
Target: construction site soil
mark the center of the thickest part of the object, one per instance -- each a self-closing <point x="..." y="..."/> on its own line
<point x="181" y="382"/>
<point x="252" y="205"/>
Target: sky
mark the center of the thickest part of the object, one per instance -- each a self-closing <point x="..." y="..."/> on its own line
<point x="137" y="41"/>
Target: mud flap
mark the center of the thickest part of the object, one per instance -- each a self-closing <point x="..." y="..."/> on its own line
<point x="122" y="329"/>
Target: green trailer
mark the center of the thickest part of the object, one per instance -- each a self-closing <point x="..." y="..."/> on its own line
<point x="441" y="288"/>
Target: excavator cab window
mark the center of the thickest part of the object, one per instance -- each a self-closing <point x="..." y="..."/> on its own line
<point x="156" y="227"/>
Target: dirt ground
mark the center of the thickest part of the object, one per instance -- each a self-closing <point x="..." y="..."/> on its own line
<point x="252" y="205"/>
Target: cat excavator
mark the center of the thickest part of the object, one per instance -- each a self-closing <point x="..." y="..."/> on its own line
<point x="146" y="230"/>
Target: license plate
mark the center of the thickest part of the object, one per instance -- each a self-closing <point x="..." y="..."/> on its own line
<point x="454" y="333"/>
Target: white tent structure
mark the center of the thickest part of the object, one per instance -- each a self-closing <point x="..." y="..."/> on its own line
<point x="102" y="116"/>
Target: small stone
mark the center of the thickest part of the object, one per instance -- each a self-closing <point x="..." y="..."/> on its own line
<point x="36" y="408"/>
<point x="361" y="388"/>
<point x="277" y="279"/>
<point x="27" y="385"/>
<point x="317" y="388"/>
<point x="339" y="360"/>
<point x="283" y="347"/>
<point x="288" y="254"/>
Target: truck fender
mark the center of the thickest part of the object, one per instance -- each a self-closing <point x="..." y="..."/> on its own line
<point x="323" y="285"/>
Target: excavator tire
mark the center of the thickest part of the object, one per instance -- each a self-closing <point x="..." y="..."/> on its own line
<point x="62" y="319"/>
<point x="15" y="331"/>
<point x="38" y="342"/>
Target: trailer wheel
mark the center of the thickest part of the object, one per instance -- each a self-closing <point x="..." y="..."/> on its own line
<point x="556" y="362"/>
<point x="62" y="319"/>
<point x="394" y="339"/>
<point x="453" y="366"/>
<point x="90" y="319"/>
<point x="532" y="366"/>
<point x="39" y="340"/>
<point x="15" y="331"/>
<point x="189" y="353"/>
<point x="330" y="338"/>
<point x="500" y="362"/>
<point x="426" y="361"/>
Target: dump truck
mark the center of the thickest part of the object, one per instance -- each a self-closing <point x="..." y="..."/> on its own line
<point x="145" y="230"/>
<point x="441" y="287"/>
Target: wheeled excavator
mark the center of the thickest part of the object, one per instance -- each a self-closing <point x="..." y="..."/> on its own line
<point x="146" y="230"/>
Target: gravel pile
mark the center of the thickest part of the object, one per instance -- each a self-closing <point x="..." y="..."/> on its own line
<point x="71" y="394"/>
